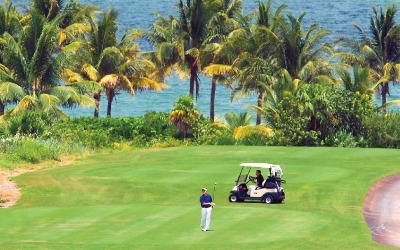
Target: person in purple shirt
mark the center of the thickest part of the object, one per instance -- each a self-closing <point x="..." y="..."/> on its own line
<point x="206" y="204"/>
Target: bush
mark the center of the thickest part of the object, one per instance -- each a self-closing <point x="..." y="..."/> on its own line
<point x="318" y="113"/>
<point x="105" y="132"/>
<point x="342" y="139"/>
<point x="382" y="130"/>
<point x="254" y="139"/>
<point x="30" y="123"/>
<point x="34" y="150"/>
<point x="226" y="139"/>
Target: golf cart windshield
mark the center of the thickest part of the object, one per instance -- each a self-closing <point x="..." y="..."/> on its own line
<point x="242" y="178"/>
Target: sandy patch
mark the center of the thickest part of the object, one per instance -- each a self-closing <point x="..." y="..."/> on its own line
<point x="382" y="211"/>
<point x="9" y="191"/>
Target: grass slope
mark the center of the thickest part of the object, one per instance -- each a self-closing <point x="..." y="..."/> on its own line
<point x="149" y="200"/>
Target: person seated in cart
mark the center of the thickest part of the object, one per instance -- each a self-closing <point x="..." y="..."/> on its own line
<point x="258" y="180"/>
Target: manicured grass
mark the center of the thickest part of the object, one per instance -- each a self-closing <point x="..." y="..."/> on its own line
<point x="150" y="200"/>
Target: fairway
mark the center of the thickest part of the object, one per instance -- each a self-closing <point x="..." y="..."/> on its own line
<point x="149" y="199"/>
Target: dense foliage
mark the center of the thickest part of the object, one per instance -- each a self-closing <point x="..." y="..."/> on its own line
<point x="309" y="92"/>
<point x="319" y="112"/>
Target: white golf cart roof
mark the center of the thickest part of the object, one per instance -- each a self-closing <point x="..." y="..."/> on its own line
<point x="272" y="167"/>
<point x="258" y="165"/>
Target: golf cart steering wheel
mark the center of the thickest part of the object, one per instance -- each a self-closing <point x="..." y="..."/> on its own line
<point x="251" y="178"/>
<point x="248" y="178"/>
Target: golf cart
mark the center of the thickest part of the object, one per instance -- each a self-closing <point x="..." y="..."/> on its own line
<point x="271" y="190"/>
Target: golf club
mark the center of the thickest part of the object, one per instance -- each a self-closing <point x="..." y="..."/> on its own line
<point x="213" y="197"/>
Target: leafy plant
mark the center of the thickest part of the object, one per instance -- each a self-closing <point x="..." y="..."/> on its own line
<point x="382" y="130"/>
<point x="184" y="115"/>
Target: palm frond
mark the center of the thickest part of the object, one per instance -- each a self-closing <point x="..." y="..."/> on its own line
<point x="86" y="87"/>
<point x="28" y="102"/>
<point x="10" y="92"/>
<point x="90" y="72"/>
<point x="217" y="69"/>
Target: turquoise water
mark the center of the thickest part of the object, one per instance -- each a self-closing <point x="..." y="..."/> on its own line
<point x="337" y="16"/>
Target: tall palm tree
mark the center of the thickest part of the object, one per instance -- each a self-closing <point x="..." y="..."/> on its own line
<point x="126" y="70"/>
<point x="256" y="63"/>
<point x="304" y="54"/>
<point x="10" y="92"/>
<point x="33" y="60"/>
<point x="378" y="49"/>
<point x="180" y="41"/>
<point x="48" y="8"/>
<point x="115" y="65"/>
<point x="10" y="19"/>
<point x="194" y="17"/>
<point x="216" y="63"/>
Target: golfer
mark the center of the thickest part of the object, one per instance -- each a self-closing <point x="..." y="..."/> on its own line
<point x="206" y="209"/>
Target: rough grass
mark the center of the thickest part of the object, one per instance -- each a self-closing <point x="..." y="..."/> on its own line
<point x="149" y="200"/>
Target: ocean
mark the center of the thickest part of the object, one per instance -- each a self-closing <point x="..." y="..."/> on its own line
<point x="337" y="16"/>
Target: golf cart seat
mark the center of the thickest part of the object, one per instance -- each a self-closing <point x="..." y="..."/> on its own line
<point x="270" y="184"/>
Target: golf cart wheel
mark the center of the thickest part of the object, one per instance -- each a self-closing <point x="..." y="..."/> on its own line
<point x="269" y="199"/>
<point x="233" y="198"/>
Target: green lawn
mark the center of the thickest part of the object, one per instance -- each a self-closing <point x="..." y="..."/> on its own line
<point x="150" y="200"/>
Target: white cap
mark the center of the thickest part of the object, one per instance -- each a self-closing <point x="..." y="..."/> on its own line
<point x="204" y="189"/>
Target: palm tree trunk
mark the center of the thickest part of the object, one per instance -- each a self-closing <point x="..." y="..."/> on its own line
<point x="212" y="98"/>
<point x="259" y="105"/>
<point x="97" y="107"/>
<point x="110" y="97"/>
<point x="313" y="122"/>
<point x="384" y="92"/>
<point x="193" y="74"/>
<point x="191" y="88"/>
<point x="2" y="107"/>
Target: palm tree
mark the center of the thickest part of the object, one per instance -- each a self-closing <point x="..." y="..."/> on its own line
<point x="180" y="41"/>
<point x="360" y="81"/>
<point x="219" y="64"/>
<point x="256" y="63"/>
<point x="304" y="54"/>
<point x="48" y="8"/>
<point x="233" y="120"/>
<point x="33" y="61"/>
<point x="378" y="49"/>
<point x="9" y="24"/>
<point x="184" y="115"/>
<point x="10" y="19"/>
<point x="115" y="66"/>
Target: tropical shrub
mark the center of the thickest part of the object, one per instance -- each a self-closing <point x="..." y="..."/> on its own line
<point x="292" y="125"/>
<point x="342" y="139"/>
<point x="382" y="130"/>
<point x="253" y="135"/>
<point x="88" y="131"/>
<point x="226" y="138"/>
<point x="107" y="132"/>
<point x="35" y="150"/>
<point x="154" y="124"/>
<point x="205" y="132"/>
<point x="184" y="116"/>
<point x="319" y="112"/>
<point x="29" y="123"/>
